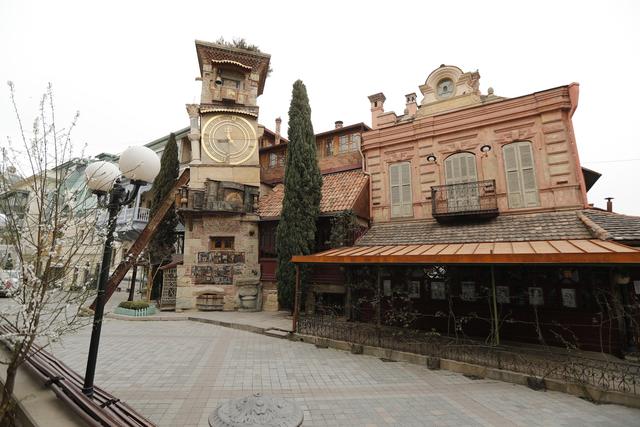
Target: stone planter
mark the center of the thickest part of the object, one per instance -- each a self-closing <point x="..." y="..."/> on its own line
<point x="136" y="313"/>
<point x="249" y="296"/>
<point x="210" y="302"/>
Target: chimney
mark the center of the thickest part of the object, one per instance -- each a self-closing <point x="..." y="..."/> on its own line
<point x="412" y="107"/>
<point x="339" y="124"/>
<point x="278" y="123"/>
<point x="377" y="107"/>
<point x="609" y="204"/>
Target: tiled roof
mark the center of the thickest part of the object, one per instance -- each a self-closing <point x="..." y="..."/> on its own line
<point x="504" y="228"/>
<point x="617" y="226"/>
<point x="339" y="193"/>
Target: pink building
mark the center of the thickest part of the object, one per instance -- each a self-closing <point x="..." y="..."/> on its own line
<point x="479" y="212"/>
<point x="518" y="155"/>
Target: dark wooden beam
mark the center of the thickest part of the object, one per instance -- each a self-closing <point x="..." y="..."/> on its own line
<point x="143" y="239"/>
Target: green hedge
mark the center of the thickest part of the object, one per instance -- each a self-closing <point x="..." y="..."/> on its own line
<point x="134" y="305"/>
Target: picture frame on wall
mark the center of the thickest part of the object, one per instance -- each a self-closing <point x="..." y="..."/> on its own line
<point x="502" y="294"/>
<point x="438" y="291"/>
<point x="569" y="297"/>
<point x="536" y="296"/>
<point x="386" y="287"/>
<point x="468" y="291"/>
<point x="414" y="289"/>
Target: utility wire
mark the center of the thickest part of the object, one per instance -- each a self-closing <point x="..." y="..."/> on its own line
<point x="612" y="161"/>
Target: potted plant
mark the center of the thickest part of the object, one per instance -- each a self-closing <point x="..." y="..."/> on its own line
<point x="135" y="308"/>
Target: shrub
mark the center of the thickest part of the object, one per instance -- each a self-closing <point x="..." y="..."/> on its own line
<point x="134" y="305"/>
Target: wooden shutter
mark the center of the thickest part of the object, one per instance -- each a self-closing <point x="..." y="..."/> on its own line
<point x="460" y="168"/>
<point x="528" y="173"/>
<point x="520" y="174"/>
<point x="405" y="175"/>
<point x="400" y="190"/>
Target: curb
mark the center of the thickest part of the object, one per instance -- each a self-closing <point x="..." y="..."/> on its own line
<point x="584" y="391"/>
<point x="151" y="318"/>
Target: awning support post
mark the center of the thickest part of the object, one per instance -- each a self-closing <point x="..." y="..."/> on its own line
<point x="379" y="303"/>
<point x="296" y="301"/>
<point x="496" y="322"/>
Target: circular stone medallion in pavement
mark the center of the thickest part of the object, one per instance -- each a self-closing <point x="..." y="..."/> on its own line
<point x="257" y="411"/>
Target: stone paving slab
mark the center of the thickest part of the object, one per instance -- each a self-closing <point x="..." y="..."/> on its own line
<point x="176" y="373"/>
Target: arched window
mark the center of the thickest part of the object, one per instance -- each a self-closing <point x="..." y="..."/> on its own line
<point x="460" y="169"/>
<point x="522" y="191"/>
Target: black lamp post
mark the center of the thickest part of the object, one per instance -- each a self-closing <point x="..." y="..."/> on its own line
<point x="141" y="165"/>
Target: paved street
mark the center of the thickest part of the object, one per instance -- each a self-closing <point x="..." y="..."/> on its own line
<point x="176" y="373"/>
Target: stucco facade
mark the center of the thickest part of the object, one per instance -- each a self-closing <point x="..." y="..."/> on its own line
<point x="466" y="122"/>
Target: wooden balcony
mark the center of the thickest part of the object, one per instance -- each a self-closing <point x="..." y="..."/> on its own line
<point x="465" y="200"/>
<point x="219" y="197"/>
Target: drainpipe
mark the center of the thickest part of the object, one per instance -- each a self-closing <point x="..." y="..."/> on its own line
<point x="496" y="326"/>
<point x="366" y="172"/>
<point x="296" y="301"/>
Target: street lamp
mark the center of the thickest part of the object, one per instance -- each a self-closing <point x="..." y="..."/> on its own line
<point x="140" y="165"/>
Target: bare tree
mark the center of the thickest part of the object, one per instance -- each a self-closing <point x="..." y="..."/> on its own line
<point x="49" y="224"/>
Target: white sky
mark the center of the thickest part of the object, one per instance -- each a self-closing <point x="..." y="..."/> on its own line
<point x="129" y="67"/>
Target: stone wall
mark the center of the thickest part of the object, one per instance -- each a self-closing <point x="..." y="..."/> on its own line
<point x="206" y="269"/>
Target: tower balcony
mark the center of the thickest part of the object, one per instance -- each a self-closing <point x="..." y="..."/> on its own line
<point x="219" y="197"/>
<point x="475" y="199"/>
<point x="129" y="223"/>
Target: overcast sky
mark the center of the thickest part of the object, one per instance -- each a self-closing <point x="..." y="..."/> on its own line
<point x="129" y="67"/>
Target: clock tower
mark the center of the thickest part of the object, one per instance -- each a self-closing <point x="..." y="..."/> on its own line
<point x="220" y="268"/>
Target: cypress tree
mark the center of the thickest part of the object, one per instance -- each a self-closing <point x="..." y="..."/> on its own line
<point x="161" y="246"/>
<point x="296" y="232"/>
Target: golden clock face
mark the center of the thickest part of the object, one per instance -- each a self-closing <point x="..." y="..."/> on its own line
<point x="229" y="139"/>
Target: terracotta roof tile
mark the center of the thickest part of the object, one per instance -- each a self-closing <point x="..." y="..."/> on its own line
<point x="339" y="193"/>
<point x="504" y="228"/>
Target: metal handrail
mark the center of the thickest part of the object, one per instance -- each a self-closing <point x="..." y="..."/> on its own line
<point x="464" y="198"/>
<point x="102" y="410"/>
<point x="604" y="374"/>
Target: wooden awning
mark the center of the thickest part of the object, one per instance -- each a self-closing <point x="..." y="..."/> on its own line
<point x="585" y="251"/>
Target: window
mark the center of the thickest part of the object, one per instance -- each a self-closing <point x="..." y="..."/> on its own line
<point x="400" y="186"/>
<point x="328" y="147"/>
<point x="460" y="168"/>
<point x="267" y="242"/>
<point x="344" y="143"/>
<point x="221" y="243"/>
<point x="522" y="191"/>
<point x="355" y="142"/>
<point x="273" y="160"/>
<point x="349" y="143"/>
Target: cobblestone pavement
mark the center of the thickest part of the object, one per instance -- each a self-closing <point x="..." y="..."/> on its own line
<point x="176" y="373"/>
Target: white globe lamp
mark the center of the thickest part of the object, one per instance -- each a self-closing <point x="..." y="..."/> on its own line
<point x="101" y="175"/>
<point x="139" y="164"/>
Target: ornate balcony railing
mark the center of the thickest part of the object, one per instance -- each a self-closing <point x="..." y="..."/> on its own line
<point x="126" y="216"/>
<point x="468" y="199"/>
<point x="601" y="373"/>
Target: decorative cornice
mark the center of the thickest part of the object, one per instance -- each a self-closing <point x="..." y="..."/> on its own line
<point x="227" y="110"/>
<point x="230" y="62"/>
<point x="472" y="117"/>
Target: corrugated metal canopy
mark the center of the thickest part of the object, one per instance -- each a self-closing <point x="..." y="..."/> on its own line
<point x="577" y="251"/>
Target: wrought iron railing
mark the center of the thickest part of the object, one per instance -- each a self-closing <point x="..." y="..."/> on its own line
<point x="464" y="199"/>
<point x="126" y="216"/>
<point x="602" y="373"/>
